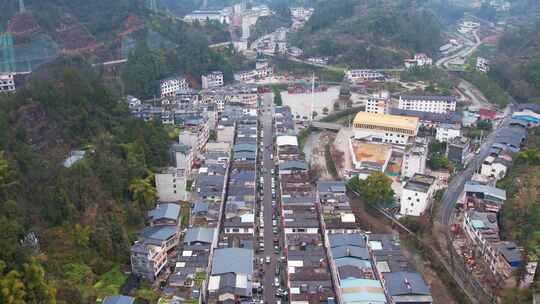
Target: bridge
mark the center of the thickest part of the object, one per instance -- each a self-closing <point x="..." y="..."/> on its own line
<point x="326" y="126"/>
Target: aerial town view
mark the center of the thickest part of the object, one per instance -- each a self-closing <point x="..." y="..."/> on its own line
<point x="269" y="151"/>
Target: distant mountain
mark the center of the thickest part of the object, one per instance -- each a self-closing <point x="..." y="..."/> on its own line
<point x="369" y="33"/>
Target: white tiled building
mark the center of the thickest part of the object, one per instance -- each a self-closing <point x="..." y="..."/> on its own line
<point x="212" y="80"/>
<point x="378" y="103"/>
<point x="446" y="132"/>
<point x="417" y="194"/>
<point x="171" y="185"/>
<point x="363" y="75"/>
<point x="419" y="60"/>
<point x="7" y="82"/>
<point x="482" y="64"/>
<point x="432" y="104"/>
<point x="173" y="85"/>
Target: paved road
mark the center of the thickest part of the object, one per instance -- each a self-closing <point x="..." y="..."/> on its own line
<point x="466" y="51"/>
<point x="268" y="165"/>
<point x="455" y="187"/>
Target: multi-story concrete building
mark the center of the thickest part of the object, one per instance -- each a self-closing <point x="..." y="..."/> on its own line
<point x="204" y="16"/>
<point x="446" y="132"/>
<point x="171" y="185"/>
<point x="414" y="160"/>
<point x="356" y="76"/>
<point x="7" y="82"/>
<point x="149" y="253"/>
<point x="419" y="60"/>
<point x="212" y="80"/>
<point x="170" y="86"/>
<point x="417" y="194"/>
<point x="378" y="103"/>
<point x="384" y="128"/>
<point x="482" y="64"/>
<point x="457" y="149"/>
<point x="433" y="104"/>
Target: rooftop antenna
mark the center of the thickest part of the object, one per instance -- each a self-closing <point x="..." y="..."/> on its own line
<point x="22" y="9"/>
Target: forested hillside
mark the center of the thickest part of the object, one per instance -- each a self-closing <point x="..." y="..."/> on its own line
<point x="369" y="33"/>
<point x="83" y="216"/>
<point x="517" y="64"/>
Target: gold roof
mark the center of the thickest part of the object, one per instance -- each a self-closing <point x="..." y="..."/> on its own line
<point x="386" y="120"/>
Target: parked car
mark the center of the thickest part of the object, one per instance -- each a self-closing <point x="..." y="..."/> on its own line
<point x="276" y="281"/>
<point x="267" y="259"/>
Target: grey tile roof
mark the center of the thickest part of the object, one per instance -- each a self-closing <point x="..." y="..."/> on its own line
<point x="202" y="235"/>
<point x="160" y="233"/>
<point x="331" y="186"/>
<point x="245" y="148"/>
<point x="165" y="211"/>
<point x="405" y="283"/>
<point x="451" y="118"/>
<point x="492" y="191"/>
<point x="428" y="97"/>
<point x="293" y="164"/>
<point x="342" y="239"/>
<point x="350" y="251"/>
<point x="232" y="260"/>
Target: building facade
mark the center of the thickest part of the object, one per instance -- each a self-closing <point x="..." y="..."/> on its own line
<point x="384" y="128"/>
<point x="7" y="82"/>
<point x="212" y="80"/>
<point x="170" y="86"/>
<point x="432" y="104"/>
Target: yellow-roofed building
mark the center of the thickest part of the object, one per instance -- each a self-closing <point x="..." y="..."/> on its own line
<point x="384" y="128"/>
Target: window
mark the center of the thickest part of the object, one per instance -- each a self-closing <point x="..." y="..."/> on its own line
<point x="418" y="200"/>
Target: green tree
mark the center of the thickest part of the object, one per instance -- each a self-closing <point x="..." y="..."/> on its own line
<point x="38" y="291"/>
<point x="376" y="189"/>
<point x="12" y="289"/>
<point x="7" y="175"/>
<point x="277" y="97"/>
<point x="143" y="192"/>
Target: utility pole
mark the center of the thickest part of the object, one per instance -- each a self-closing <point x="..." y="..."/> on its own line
<point x="312" y="94"/>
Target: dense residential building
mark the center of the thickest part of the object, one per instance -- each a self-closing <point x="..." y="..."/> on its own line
<point x="419" y="60"/>
<point x="356" y="76"/>
<point x="212" y="80"/>
<point x="502" y="258"/>
<point x="170" y="86"/>
<point x="164" y="214"/>
<point x="204" y="16"/>
<point x="231" y="275"/>
<point x="432" y="104"/>
<point x="495" y="166"/>
<point x="378" y="103"/>
<point x="446" y="132"/>
<point x="457" y="149"/>
<point x="407" y="287"/>
<point x="417" y="194"/>
<point x="7" y="82"/>
<point x="384" y="128"/>
<point x="149" y="253"/>
<point x="531" y="118"/>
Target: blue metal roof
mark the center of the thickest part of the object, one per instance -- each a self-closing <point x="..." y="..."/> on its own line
<point x="232" y="260"/>
<point x="165" y="211"/>
<point x="362" y="291"/>
<point x="204" y="235"/>
<point x="118" y="300"/>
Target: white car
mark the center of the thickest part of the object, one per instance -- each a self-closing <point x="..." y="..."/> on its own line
<point x="276" y="281"/>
